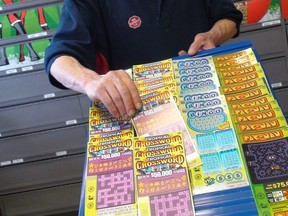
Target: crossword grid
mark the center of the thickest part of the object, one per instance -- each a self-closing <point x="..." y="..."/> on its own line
<point x="177" y="203"/>
<point x="115" y="189"/>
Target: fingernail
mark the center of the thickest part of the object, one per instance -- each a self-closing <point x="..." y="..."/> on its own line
<point x="131" y="113"/>
<point x="138" y="106"/>
<point x="126" y="117"/>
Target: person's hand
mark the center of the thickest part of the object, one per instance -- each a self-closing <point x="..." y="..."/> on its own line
<point x="202" y="41"/>
<point x="117" y="92"/>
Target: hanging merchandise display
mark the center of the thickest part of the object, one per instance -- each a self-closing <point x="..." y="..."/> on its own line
<point x="21" y="29"/>
<point x="259" y="11"/>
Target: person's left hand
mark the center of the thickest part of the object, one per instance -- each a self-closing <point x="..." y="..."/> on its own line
<point x="202" y="41"/>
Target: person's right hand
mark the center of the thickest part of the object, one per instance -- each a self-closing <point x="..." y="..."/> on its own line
<point x="117" y="92"/>
<point x="202" y="41"/>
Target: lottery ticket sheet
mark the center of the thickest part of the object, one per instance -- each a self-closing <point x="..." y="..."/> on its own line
<point x="165" y="118"/>
<point x="161" y="175"/>
<point x="266" y="155"/>
<point x="213" y="132"/>
<point x="152" y="76"/>
<point x="260" y="126"/>
<point x="206" y="115"/>
<point x="109" y="182"/>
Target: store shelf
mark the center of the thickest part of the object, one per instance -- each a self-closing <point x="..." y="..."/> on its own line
<point x="269" y="42"/>
<point x="43" y="145"/>
<point x="58" y="171"/>
<point x="277" y="71"/>
<point x="27" y="38"/>
<point x="32" y="87"/>
<point x="40" y="116"/>
<point x="47" y="201"/>
<point x="4" y="71"/>
<point x="259" y="26"/>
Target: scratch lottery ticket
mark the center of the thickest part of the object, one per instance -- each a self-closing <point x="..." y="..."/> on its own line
<point x="154" y="81"/>
<point x="193" y="62"/>
<point x="195" y="77"/>
<point x="123" y="135"/>
<point x="267" y="164"/>
<point x="213" y="132"/>
<point x="248" y="95"/>
<point x="261" y="125"/>
<point x="258" y="116"/>
<point x="199" y="104"/>
<point x="232" y="72"/>
<point x="254" y="109"/>
<point x="222" y="167"/>
<point x="161" y="176"/>
<point x="253" y="102"/>
<point x="110" y="187"/>
<point x="145" y="88"/>
<point x="193" y="71"/>
<point x="162" y="119"/>
<point x="263" y="136"/>
<point x="155" y="98"/>
<point x="236" y="66"/>
<point x="152" y="74"/>
<point x="206" y="120"/>
<point x="152" y="70"/>
<point x="199" y="96"/>
<point x="101" y="121"/>
<point x="149" y="89"/>
<point x="249" y="57"/>
<point x="242" y="78"/>
<point x="197" y="87"/>
<point x="108" y="127"/>
<point x="243" y="86"/>
<point x="231" y="56"/>
<point x="194" y="68"/>
<point x="109" y="178"/>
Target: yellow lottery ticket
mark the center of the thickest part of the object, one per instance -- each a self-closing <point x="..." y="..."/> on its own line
<point x="150" y="70"/>
<point x="259" y="116"/>
<point x="236" y="61"/>
<point x="254" y="109"/>
<point x="168" y="78"/>
<point x="263" y="136"/>
<point x="229" y="56"/>
<point x="237" y="66"/>
<point x="269" y="124"/>
<point x="248" y="95"/>
<point x="243" y="86"/>
<point x="160" y="171"/>
<point x="242" y="78"/>
<point x="231" y="72"/>
<point x="98" y="138"/>
<point x="253" y="102"/>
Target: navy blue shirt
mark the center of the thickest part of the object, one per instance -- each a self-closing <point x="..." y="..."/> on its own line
<point x="128" y="32"/>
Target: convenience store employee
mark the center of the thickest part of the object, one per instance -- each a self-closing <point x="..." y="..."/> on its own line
<point x="107" y="36"/>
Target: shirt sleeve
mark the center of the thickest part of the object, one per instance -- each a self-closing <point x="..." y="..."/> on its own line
<point x="225" y="9"/>
<point x="74" y="37"/>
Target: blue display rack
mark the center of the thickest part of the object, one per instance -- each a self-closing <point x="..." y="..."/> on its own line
<point x="233" y="202"/>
